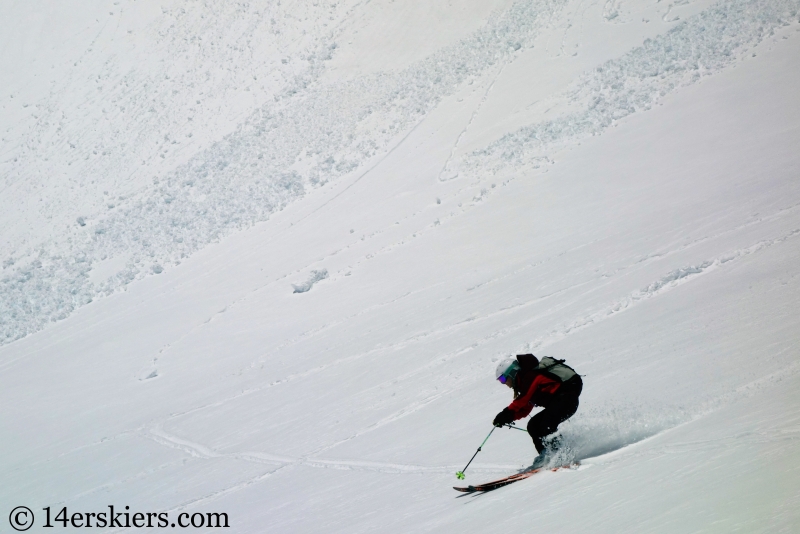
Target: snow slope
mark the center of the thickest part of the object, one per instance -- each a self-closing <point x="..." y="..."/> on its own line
<point x="294" y="314"/>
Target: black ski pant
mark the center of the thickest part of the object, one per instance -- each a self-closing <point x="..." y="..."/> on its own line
<point x="562" y="407"/>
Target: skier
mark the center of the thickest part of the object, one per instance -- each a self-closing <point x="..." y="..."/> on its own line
<point x="548" y="383"/>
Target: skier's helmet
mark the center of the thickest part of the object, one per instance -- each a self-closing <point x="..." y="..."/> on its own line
<point x="506" y="370"/>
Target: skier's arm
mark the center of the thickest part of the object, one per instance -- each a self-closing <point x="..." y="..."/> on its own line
<point x="522" y="405"/>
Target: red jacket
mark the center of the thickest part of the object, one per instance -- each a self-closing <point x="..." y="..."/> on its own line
<point x="532" y="389"/>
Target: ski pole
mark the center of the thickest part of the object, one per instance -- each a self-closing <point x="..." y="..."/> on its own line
<point x="460" y="474"/>
<point x="511" y="425"/>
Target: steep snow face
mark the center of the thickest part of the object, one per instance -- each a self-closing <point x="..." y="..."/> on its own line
<point x="319" y="282"/>
<point x="296" y="133"/>
<point x="146" y="192"/>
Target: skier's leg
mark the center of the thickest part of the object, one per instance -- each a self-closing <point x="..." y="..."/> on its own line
<point x="542" y="424"/>
<point x="546" y="422"/>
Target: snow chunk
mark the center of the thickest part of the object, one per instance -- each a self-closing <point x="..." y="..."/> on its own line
<point x="315" y="277"/>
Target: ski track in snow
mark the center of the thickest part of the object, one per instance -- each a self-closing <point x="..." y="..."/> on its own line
<point x="670" y="281"/>
<point x="196" y="450"/>
<point x="749" y="390"/>
<point x="444" y="175"/>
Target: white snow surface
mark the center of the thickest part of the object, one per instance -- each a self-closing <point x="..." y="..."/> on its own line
<point x="261" y="258"/>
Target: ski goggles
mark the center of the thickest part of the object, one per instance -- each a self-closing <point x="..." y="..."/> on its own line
<point x="502" y="379"/>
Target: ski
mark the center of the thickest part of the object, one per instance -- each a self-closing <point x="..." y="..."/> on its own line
<point x="495" y="484"/>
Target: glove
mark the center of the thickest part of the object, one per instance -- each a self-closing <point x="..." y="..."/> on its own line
<point x="503" y="418"/>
